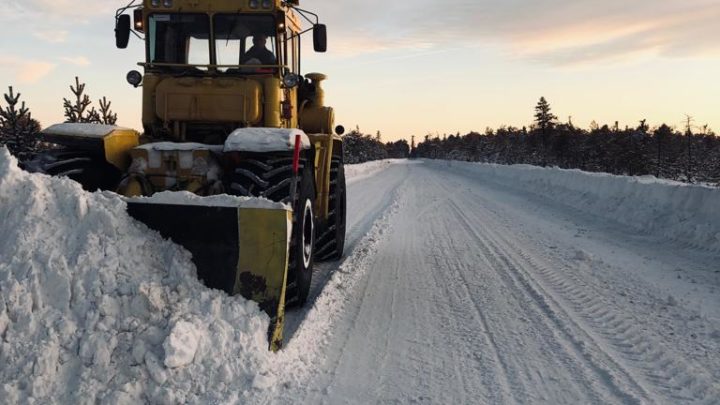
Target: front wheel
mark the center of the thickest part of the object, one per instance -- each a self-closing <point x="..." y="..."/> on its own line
<point x="332" y="241"/>
<point x="271" y="176"/>
<point x="301" y="256"/>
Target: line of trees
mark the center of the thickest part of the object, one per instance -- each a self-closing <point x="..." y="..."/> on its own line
<point x="360" y="148"/>
<point x="690" y="155"/>
<point x="20" y="132"/>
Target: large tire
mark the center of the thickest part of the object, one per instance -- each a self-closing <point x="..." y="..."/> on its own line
<point x="302" y="245"/>
<point x="332" y="241"/>
<point x="271" y="176"/>
<point x="91" y="171"/>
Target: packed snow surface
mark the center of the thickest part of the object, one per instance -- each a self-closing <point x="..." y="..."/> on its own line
<point x="264" y="140"/>
<point x="82" y="129"/>
<point x="462" y="283"/>
<point x="684" y="212"/>
<point x="222" y="200"/>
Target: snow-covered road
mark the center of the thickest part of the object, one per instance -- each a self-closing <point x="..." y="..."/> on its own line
<point x="460" y="288"/>
<point x="462" y="283"/>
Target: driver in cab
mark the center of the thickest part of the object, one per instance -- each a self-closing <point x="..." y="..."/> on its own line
<point x="259" y="52"/>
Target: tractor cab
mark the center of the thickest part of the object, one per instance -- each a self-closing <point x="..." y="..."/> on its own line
<point x="214" y="66"/>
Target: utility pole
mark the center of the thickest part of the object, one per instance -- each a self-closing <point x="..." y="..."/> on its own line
<point x="688" y="133"/>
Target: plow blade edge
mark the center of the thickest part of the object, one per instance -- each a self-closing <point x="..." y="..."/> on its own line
<point x="237" y="250"/>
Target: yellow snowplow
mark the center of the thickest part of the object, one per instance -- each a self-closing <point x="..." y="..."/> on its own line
<point x="238" y="160"/>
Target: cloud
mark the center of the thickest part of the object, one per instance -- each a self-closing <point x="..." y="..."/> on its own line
<point x="32" y="10"/>
<point x="52" y="36"/>
<point x="26" y="71"/>
<point x="76" y="60"/>
<point x="555" y="32"/>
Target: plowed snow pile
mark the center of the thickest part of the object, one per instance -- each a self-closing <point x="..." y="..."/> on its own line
<point x="96" y="308"/>
<point x="677" y="211"/>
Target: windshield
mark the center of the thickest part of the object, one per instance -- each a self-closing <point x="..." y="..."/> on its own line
<point x="240" y="40"/>
<point x="179" y="38"/>
<point x="245" y="40"/>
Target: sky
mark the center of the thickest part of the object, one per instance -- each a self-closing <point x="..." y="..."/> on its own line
<point x="423" y="67"/>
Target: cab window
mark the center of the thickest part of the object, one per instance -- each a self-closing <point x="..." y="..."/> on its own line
<point x="243" y="40"/>
<point x="179" y="39"/>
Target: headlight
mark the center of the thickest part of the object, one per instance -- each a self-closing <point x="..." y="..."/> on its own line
<point x="267" y="3"/>
<point x="155" y="3"/>
<point x="291" y="80"/>
<point x="134" y="78"/>
<point x="167" y="3"/>
<point x="254" y="3"/>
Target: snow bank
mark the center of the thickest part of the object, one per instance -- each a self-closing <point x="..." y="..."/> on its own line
<point x="678" y="211"/>
<point x="264" y="140"/>
<point x="82" y="129"/>
<point x="363" y="170"/>
<point x="222" y="200"/>
<point x="95" y="308"/>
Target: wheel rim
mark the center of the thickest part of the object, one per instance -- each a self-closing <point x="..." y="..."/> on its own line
<point x="308" y="233"/>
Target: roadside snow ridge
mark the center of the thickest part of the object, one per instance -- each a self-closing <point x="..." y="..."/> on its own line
<point x="96" y="308"/>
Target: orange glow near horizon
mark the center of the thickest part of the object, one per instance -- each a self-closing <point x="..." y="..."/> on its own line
<point x="470" y="66"/>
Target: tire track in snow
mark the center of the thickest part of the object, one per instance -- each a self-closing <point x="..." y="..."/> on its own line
<point x="649" y="357"/>
<point x="489" y="302"/>
<point x="615" y="331"/>
<point x="509" y="271"/>
<point x="497" y="259"/>
<point x="304" y="353"/>
<point x="497" y="371"/>
<point x="411" y="337"/>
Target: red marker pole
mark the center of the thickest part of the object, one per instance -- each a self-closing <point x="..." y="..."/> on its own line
<point x="296" y="168"/>
<point x="296" y="156"/>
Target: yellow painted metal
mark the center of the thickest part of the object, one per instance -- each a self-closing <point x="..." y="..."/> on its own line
<point x="323" y="144"/>
<point x="292" y="95"/>
<point x="150" y="82"/>
<point x="114" y="143"/>
<point x="317" y="79"/>
<point x="317" y="120"/>
<point x="272" y="102"/>
<point x="117" y="147"/>
<point x="209" y="99"/>
<point x="263" y="262"/>
<point x="315" y="117"/>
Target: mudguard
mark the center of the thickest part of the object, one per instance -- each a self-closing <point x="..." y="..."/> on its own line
<point x="111" y="142"/>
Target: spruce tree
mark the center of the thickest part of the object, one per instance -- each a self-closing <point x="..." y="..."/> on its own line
<point x="77" y="110"/>
<point x="543" y="115"/>
<point x="107" y="117"/>
<point x="18" y="130"/>
<point x="80" y="109"/>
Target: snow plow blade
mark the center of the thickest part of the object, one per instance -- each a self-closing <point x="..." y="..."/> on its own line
<point x="235" y="249"/>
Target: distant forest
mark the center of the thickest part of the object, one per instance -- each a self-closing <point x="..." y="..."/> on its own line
<point x="689" y="155"/>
